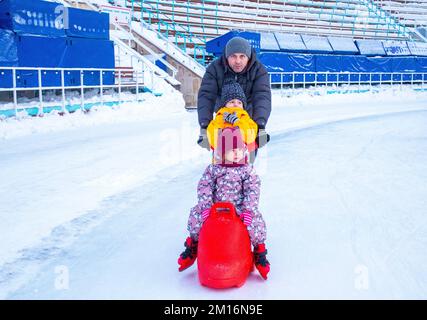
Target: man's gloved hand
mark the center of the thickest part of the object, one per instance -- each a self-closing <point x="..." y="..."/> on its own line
<point x="203" y="140"/>
<point x="230" y="117"/>
<point x="262" y="138"/>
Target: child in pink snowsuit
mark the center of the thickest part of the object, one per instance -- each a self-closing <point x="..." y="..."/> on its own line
<point x="229" y="179"/>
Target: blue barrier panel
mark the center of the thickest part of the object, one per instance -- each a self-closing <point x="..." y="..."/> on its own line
<point x="268" y="42"/>
<point x="71" y="78"/>
<point x="88" y="24"/>
<point x="327" y="63"/>
<point x="8" y="49"/>
<point x="365" y="65"/>
<point x="421" y="66"/>
<point x="396" y="48"/>
<point x="32" y="51"/>
<point x="403" y="65"/>
<point x="40" y="51"/>
<point x="343" y="45"/>
<point x="6" y="78"/>
<point x="108" y="78"/>
<point x="30" y="78"/>
<point x="380" y="64"/>
<point x="316" y="44"/>
<point x="88" y="53"/>
<point x="290" y="42"/>
<point x="216" y="46"/>
<point x="370" y="47"/>
<point x="32" y="17"/>
<point x="51" y="78"/>
<point x="273" y="63"/>
<point x="26" y="79"/>
<point x="91" y="78"/>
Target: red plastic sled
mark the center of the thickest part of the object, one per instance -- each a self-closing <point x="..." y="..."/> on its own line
<point x="224" y="257"/>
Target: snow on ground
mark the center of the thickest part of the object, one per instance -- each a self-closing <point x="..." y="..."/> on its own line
<point x="102" y="199"/>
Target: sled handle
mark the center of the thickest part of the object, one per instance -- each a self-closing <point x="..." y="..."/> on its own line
<point x="223" y="206"/>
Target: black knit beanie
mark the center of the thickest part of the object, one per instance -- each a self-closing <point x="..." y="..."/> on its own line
<point x="232" y="90"/>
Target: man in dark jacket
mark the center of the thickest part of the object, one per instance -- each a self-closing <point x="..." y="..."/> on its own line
<point x="239" y="63"/>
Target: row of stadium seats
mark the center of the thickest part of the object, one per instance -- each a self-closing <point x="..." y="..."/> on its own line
<point x="301" y="43"/>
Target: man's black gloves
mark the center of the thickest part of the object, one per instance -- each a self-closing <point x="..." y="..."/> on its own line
<point x="203" y="140"/>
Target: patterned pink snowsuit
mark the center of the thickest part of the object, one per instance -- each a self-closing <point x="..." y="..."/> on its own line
<point x="239" y="185"/>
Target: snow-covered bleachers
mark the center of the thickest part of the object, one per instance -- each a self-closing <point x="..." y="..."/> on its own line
<point x="210" y="18"/>
<point x="411" y="13"/>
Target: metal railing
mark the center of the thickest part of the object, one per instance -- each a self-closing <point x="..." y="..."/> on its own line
<point x="121" y="80"/>
<point x="295" y="80"/>
<point x="77" y="79"/>
<point x="126" y="47"/>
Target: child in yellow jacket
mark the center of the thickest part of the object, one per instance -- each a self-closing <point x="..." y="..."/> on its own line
<point x="233" y="115"/>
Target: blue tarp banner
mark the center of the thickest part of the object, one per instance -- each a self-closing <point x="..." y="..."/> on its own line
<point x="405" y="64"/>
<point x="32" y="17"/>
<point x="8" y="49"/>
<point x="316" y="44"/>
<point x="421" y="63"/>
<point x="370" y="47"/>
<point x="87" y="24"/>
<point x="269" y="42"/>
<point x="396" y="48"/>
<point x="365" y="64"/>
<point x="325" y="63"/>
<point x="355" y="63"/>
<point x="290" y="42"/>
<point x="383" y="64"/>
<point x="343" y="45"/>
<point x="288" y="62"/>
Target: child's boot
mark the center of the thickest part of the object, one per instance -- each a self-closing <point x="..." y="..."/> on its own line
<point x="189" y="255"/>
<point x="261" y="262"/>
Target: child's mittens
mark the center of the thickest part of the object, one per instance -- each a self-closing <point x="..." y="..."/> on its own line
<point x="230" y="117"/>
<point x="205" y="214"/>
<point x="246" y="218"/>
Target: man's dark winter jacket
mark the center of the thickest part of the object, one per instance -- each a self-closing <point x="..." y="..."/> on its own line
<point x="254" y="81"/>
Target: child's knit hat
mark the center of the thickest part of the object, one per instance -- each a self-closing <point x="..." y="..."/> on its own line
<point x="232" y="90"/>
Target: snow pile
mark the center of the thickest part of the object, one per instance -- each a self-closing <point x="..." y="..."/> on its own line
<point x="150" y="108"/>
<point x="314" y="107"/>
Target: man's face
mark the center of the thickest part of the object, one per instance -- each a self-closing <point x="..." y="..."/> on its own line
<point x="238" y="62"/>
